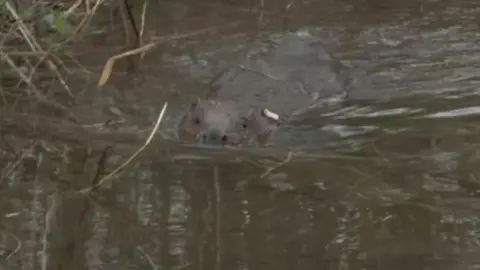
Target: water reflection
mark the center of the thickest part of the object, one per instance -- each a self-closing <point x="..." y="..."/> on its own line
<point x="395" y="185"/>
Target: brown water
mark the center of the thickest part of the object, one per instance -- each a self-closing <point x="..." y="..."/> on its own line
<point x="395" y="188"/>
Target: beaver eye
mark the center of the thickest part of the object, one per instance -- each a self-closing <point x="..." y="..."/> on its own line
<point x="244" y="125"/>
<point x="196" y="121"/>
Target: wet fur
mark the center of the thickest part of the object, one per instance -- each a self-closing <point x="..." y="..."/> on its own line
<point x="284" y="79"/>
<point x="224" y="122"/>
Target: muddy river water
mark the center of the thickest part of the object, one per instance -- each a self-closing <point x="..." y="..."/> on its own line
<point x="386" y="180"/>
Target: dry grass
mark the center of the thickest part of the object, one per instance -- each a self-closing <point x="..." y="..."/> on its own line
<point x="28" y="55"/>
<point x="31" y="58"/>
<point x="26" y="73"/>
<point x="42" y="55"/>
<point x="39" y="55"/>
<point x="132" y="157"/>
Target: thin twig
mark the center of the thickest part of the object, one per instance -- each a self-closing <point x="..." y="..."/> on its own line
<point x="19" y="246"/>
<point x="288" y="5"/>
<point x="123" y="10"/>
<point x="218" y="201"/>
<point x="142" y="26"/>
<point x="70" y="10"/>
<point x="132" y="157"/>
<point x="269" y="170"/>
<point x="148" y="258"/>
<point x="40" y="97"/>
<point x="34" y="44"/>
<point x="107" y="69"/>
<point x="12" y="167"/>
<point x="23" y="28"/>
<point x="87" y="17"/>
<point x="25" y="53"/>
<point x="7" y="35"/>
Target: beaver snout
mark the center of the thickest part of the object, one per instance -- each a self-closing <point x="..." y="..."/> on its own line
<point x="215" y="137"/>
<point x="225" y="123"/>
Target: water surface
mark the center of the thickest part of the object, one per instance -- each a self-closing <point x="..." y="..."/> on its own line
<point x="395" y="187"/>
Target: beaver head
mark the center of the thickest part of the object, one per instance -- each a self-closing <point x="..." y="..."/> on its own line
<point x="226" y="123"/>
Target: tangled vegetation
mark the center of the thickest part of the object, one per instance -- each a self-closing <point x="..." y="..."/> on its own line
<point x="35" y="40"/>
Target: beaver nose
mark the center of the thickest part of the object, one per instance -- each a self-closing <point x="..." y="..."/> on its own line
<point x="215" y="137"/>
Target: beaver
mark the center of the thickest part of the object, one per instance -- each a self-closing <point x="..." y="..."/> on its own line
<point x="225" y="122"/>
<point x="249" y="102"/>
